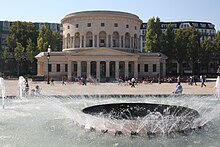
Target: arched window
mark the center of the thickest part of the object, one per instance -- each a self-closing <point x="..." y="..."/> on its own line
<point x="77" y="40"/>
<point x="135" y="41"/>
<point x="115" y="39"/>
<point x="89" y="39"/>
<point x="68" y="40"/>
<point x="127" y="40"/>
<point x="102" y="39"/>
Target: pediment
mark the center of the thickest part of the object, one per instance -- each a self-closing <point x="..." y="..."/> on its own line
<point x="104" y="52"/>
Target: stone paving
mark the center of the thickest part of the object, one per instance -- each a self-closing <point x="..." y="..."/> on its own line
<point x="110" y="88"/>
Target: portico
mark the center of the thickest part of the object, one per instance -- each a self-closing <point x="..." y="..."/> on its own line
<point x="99" y="64"/>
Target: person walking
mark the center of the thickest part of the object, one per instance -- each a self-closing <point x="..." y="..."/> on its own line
<point x="133" y="82"/>
<point x="203" y="81"/>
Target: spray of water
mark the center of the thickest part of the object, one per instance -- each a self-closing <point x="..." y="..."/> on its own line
<point x="2" y="88"/>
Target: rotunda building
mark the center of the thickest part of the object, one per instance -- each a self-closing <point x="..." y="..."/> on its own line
<point x="101" y="46"/>
<point x="94" y="29"/>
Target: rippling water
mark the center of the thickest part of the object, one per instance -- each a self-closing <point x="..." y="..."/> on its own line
<point x="50" y="122"/>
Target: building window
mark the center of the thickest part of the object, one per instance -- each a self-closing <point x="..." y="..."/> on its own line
<point x="66" y="68"/>
<point x="77" y="25"/>
<point x="154" y="67"/>
<point x="68" y="27"/>
<point x="102" y="24"/>
<point x="138" y="67"/>
<point x="89" y="24"/>
<point x="75" y="67"/>
<point x="146" y="67"/>
<point x="135" y="27"/>
<point x="127" y="26"/>
<point x="115" y="25"/>
<point x="49" y="67"/>
<point x="58" y="67"/>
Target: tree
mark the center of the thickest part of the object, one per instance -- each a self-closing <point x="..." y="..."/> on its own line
<point x="47" y="37"/>
<point x="31" y="50"/>
<point x="167" y="47"/>
<point x="153" y="35"/>
<point x="205" y="54"/>
<point x="193" y="46"/>
<point x="19" y="56"/>
<point x="21" y="32"/>
<point x="180" y="48"/>
<point x="5" y="54"/>
<point x="217" y="46"/>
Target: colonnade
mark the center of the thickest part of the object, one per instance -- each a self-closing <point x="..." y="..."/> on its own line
<point x="102" y="69"/>
<point x="92" y="40"/>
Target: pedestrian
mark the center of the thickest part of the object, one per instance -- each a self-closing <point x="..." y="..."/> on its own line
<point x="179" y="89"/>
<point x="203" y="81"/>
<point x="52" y="82"/>
<point x="133" y="82"/>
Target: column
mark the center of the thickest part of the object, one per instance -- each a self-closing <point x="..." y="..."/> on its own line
<point x="73" y="42"/>
<point x="126" y="69"/>
<point x="69" y="70"/>
<point x="93" y="41"/>
<point x="136" y="69"/>
<point x="88" y="69"/>
<point x="107" y="69"/>
<point x="97" y="40"/>
<point x="80" y="42"/>
<point x="84" y="41"/>
<point x="164" y="69"/>
<point x="98" y="70"/>
<point x="120" y="41"/>
<point x="117" y="70"/>
<point x="78" y="68"/>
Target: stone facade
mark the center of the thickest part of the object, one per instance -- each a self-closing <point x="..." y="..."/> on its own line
<point x="104" y="45"/>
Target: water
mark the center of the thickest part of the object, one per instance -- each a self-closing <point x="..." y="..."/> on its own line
<point x="54" y="122"/>
<point x="2" y="88"/>
<point x="217" y="86"/>
<point x="21" y="86"/>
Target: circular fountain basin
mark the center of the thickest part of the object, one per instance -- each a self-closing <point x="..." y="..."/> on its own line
<point x="142" y="118"/>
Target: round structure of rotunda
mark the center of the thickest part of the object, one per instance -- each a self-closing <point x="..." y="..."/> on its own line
<point x="101" y="46"/>
<point x="94" y="29"/>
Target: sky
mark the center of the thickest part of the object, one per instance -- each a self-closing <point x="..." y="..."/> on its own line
<point x="166" y="10"/>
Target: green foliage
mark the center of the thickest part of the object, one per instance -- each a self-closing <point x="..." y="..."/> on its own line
<point x="5" y="54"/>
<point x="21" y="32"/>
<point x="19" y="52"/>
<point x="153" y="35"/>
<point x="31" y="50"/>
<point x="47" y="37"/>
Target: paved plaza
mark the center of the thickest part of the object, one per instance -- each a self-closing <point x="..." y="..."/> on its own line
<point x="110" y="88"/>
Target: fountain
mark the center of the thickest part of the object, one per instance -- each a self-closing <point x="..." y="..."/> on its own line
<point x="21" y="86"/>
<point x="141" y="118"/>
<point x="91" y="121"/>
<point x="217" y="86"/>
<point x="2" y="88"/>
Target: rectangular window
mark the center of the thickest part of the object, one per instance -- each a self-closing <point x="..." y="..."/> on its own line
<point x="129" y="68"/>
<point x="89" y="24"/>
<point x="77" y="25"/>
<point x="127" y="26"/>
<point x="102" y="24"/>
<point x="115" y="25"/>
<point x="154" y="67"/>
<point x="49" y="67"/>
<point x="66" y="67"/>
<point x="75" y="67"/>
<point x="58" y="67"/>
<point x="138" y="67"/>
<point x="145" y="67"/>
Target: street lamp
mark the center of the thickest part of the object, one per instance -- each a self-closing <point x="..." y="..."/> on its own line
<point x="48" y="58"/>
<point x="159" y="78"/>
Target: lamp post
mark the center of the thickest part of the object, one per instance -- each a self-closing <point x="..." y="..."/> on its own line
<point x="159" y="78"/>
<point x="48" y="58"/>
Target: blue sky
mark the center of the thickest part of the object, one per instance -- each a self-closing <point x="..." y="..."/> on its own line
<point x="170" y="10"/>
